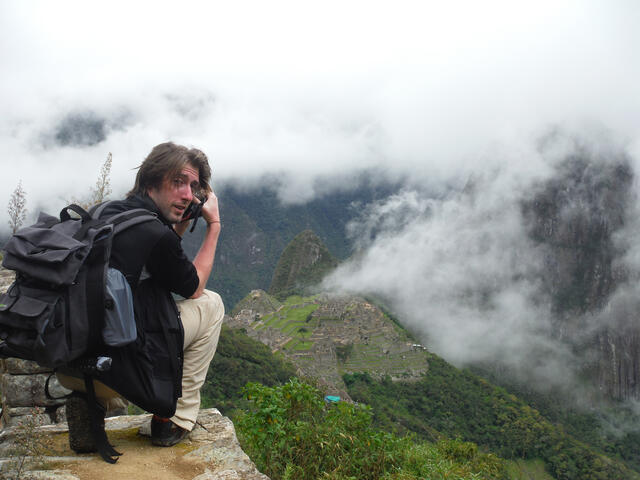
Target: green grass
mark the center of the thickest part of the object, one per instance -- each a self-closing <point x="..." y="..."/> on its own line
<point x="302" y="345"/>
<point x="291" y="319"/>
<point x="298" y="345"/>
<point x="304" y="335"/>
<point x="527" y="470"/>
<point x="294" y="300"/>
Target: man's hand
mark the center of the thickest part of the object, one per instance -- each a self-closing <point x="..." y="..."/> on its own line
<point x="210" y="211"/>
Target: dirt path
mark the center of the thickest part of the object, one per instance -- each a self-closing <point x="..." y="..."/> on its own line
<point x="140" y="460"/>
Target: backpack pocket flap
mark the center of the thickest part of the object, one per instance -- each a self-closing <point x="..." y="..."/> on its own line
<point x="46" y="255"/>
<point x="29" y="307"/>
<point x="27" y="313"/>
<point x="7" y="300"/>
<point x="42" y="244"/>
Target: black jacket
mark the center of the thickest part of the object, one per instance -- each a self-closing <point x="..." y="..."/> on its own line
<point x="148" y="372"/>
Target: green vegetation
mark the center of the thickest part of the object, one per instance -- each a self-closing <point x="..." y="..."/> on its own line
<point x="29" y="448"/>
<point x="527" y="470"/>
<point x="445" y="403"/>
<point x="343" y="352"/>
<point x="292" y="434"/>
<point x="295" y="321"/>
<point x="612" y="430"/>
<point x="238" y="360"/>
<point x="457" y="403"/>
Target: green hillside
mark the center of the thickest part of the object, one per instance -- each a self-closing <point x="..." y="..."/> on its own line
<point x="239" y="360"/>
<point x="459" y="404"/>
<point x="351" y="346"/>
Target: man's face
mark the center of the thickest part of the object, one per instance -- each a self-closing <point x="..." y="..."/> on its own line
<point x="176" y="192"/>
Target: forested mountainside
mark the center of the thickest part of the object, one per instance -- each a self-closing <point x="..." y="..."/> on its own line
<point x="257" y="227"/>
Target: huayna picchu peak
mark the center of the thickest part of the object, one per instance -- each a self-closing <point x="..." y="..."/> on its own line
<point x="303" y="264"/>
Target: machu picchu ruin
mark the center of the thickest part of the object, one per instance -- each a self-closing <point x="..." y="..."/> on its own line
<point x="326" y="337"/>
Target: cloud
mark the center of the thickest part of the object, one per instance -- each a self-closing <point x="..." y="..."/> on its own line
<point x="301" y="92"/>
<point x="460" y="271"/>
<point x="490" y="273"/>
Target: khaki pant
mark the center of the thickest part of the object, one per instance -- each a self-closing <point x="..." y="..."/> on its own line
<point x="202" y="321"/>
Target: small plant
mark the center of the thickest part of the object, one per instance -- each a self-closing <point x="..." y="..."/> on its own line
<point x="30" y="445"/>
<point x="17" y="208"/>
<point x="102" y="189"/>
<point x="103" y="185"/>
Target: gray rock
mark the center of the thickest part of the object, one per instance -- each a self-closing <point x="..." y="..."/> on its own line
<point x="28" y="390"/>
<point x="17" y="366"/>
<point x="220" y="447"/>
<point x="214" y="438"/>
<point x="14" y="416"/>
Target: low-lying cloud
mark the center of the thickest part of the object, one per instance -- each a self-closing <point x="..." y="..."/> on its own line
<point x="475" y="277"/>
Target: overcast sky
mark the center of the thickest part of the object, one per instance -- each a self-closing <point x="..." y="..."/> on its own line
<point x="302" y="89"/>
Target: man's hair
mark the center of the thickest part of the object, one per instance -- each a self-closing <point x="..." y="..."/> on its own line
<point x="167" y="160"/>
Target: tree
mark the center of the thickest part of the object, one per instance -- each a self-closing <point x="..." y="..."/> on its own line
<point x="17" y="208"/>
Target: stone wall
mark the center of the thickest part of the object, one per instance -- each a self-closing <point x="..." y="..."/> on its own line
<point x="23" y="393"/>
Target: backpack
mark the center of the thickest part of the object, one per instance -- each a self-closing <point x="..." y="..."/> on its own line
<point x="66" y="302"/>
<point x="67" y="308"/>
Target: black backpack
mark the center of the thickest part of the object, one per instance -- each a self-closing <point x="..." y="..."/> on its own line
<point x="61" y="313"/>
<point x="55" y="311"/>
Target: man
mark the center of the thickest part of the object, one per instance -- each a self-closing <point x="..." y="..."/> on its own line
<point x="150" y="256"/>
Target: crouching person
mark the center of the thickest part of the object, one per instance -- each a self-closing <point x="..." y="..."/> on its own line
<point x="164" y="369"/>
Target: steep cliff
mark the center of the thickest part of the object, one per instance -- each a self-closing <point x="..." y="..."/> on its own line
<point x="577" y="219"/>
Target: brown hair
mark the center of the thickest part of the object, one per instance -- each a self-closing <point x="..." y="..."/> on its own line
<point x="166" y="160"/>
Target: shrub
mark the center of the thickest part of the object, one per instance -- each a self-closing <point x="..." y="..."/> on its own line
<point x="291" y="433"/>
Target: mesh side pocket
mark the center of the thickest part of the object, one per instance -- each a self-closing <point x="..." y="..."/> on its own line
<point x="119" y="321"/>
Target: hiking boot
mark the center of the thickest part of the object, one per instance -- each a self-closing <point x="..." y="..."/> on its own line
<point x="165" y="433"/>
<point x="80" y="437"/>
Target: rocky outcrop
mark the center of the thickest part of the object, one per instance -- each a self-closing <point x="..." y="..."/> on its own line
<point x="212" y="449"/>
<point x="210" y="452"/>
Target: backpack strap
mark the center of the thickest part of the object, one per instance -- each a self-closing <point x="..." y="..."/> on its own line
<point x="47" y="391"/>
<point x="123" y="220"/>
<point x="84" y="215"/>
<point x="97" y="210"/>
<point x="96" y="423"/>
